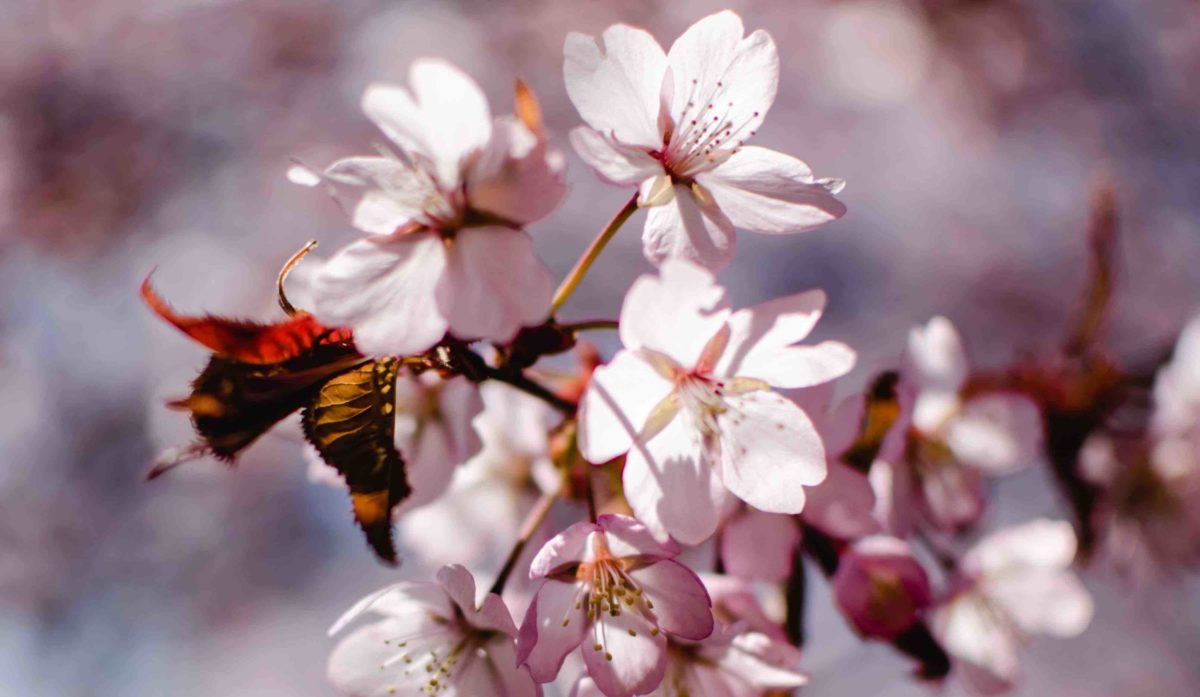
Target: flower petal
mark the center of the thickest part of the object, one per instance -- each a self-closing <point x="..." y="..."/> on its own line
<point x="843" y="505"/>
<point x="685" y="228"/>
<point x="383" y="289"/>
<point x="616" y="404"/>
<point x="387" y="192"/>
<point x="757" y="545"/>
<point x="544" y="640"/>
<point x="367" y="662"/>
<point x="997" y="433"/>
<point x="616" y="163"/>
<point x="936" y="357"/>
<point x="492" y="672"/>
<point x="626" y="658"/>
<point x="517" y="176"/>
<point x="617" y="85"/>
<point x="1043" y="601"/>
<point x="675" y="312"/>
<point x="445" y="118"/>
<point x="769" y="451"/>
<point x="768" y="192"/>
<point x="718" y="73"/>
<point x="494" y="284"/>
<point x="671" y="485"/>
<point x="762" y="346"/>
<point x="763" y="662"/>
<point x="628" y="538"/>
<point x="490" y="615"/>
<point x="1041" y="543"/>
<point x="681" y="603"/>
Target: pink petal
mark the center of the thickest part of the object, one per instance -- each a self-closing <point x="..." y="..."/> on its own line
<point x="412" y="605"/>
<point x="997" y="433"/>
<point x="671" y="486"/>
<point x="544" y="641"/>
<point x="366" y="663"/>
<point x="935" y="356"/>
<point x="493" y="674"/>
<point x="843" y="505"/>
<point x="614" y="408"/>
<point x="626" y="664"/>
<point x="1043" y="601"/>
<point x="517" y="177"/>
<point x="952" y="495"/>
<point x="763" y="338"/>
<point x="711" y="63"/>
<point x="376" y="183"/>
<point x="491" y="615"/>
<point x="571" y="546"/>
<point x="616" y="85"/>
<point x="675" y="312"/>
<point x="768" y="192"/>
<point x="383" y="289"/>
<point x="617" y="163"/>
<point x="769" y="451"/>
<point x="585" y="687"/>
<point x="494" y="284"/>
<point x="684" y="228"/>
<point x="445" y="119"/>
<point x="763" y="662"/>
<point x="681" y="603"/>
<point x="628" y="538"/>
<point x="1041" y="543"/>
<point x="757" y="545"/>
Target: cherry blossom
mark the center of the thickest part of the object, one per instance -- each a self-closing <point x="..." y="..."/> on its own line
<point x="880" y="587"/>
<point x="1013" y="584"/>
<point x="481" y="512"/>
<point x="430" y="638"/>
<point x="445" y="251"/>
<point x="953" y="439"/>
<point x="675" y="124"/>
<point x="612" y="587"/>
<point x="433" y="432"/>
<point x="690" y="400"/>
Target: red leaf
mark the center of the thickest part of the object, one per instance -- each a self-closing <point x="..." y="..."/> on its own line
<point x="245" y="341"/>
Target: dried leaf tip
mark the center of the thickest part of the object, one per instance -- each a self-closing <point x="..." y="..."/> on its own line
<point x="287" y="269"/>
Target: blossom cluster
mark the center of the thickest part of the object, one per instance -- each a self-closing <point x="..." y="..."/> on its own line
<point x="711" y="434"/>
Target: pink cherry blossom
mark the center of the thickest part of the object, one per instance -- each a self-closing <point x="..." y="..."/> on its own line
<point x="445" y="251"/>
<point x="612" y="587"/>
<point x="1013" y="584"/>
<point x="433" y="432"/>
<point x="480" y="514"/>
<point x="880" y="587"/>
<point x="953" y="440"/>
<point x="675" y="123"/>
<point x="430" y="638"/>
<point x="690" y="400"/>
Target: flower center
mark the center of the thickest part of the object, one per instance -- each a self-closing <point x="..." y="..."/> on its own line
<point x="606" y="588"/>
<point x="705" y="134"/>
<point x="435" y="660"/>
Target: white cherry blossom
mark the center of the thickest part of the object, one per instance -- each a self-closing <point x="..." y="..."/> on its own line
<point x="445" y="251"/>
<point x="1014" y="584"/>
<point x="430" y="639"/>
<point x="690" y="398"/>
<point x="675" y="124"/>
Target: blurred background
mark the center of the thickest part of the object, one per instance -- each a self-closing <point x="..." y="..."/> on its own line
<point x="141" y="134"/>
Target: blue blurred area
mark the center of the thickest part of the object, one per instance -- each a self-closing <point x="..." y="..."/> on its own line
<point x="139" y="135"/>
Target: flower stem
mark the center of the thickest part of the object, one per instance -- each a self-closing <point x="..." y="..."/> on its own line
<point x="589" y="256"/>
<point x="532" y="522"/>
<point x="589" y="324"/>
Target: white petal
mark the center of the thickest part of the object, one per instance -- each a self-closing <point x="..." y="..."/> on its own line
<point x="1041" y="543"/>
<point x="445" y="119"/>
<point x="723" y="75"/>
<point x="969" y="629"/>
<point x="630" y="659"/>
<point x="616" y="85"/>
<point x="615" y="406"/>
<point x="997" y="433"/>
<point x="544" y="639"/>
<point x="412" y="606"/>
<point x="368" y="663"/>
<point x="762" y="339"/>
<point x="1043" y="601"/>
<point x="757" y="545"/>
<point x="688" y="229"/>
<point x="763" y="662"/>
<point x="936" y="357"/>
<point x="494" y="284"/>
<point x="616" y="163"/>
<point x="675" y="312"/>
<point x="517" y="176"/>
<point x="385" y="194"/>
<point x="383" y="289"/>
<point x="769" y="450"/>
<point x="672" y="487"/>
<point x="765" y="191"/>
